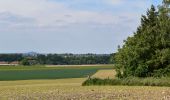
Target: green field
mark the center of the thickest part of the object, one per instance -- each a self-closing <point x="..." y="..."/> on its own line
<point x="47" y="72"/>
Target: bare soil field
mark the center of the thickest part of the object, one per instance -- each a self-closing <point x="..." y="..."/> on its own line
<point x="71" y="89"/>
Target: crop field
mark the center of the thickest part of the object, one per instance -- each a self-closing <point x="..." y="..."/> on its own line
<point x="47" y="72"/>
<point x="105" y="74"/>
<point x="71" y="89"/>
<point x="59" y="83"/>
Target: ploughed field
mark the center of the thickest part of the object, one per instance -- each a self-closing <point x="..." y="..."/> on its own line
<point x="71" y="89"/>
<point x="65" y="83"/>
<point x="48" y="72"/>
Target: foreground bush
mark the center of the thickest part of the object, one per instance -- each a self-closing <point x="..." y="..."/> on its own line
<point x="131" y="81"/>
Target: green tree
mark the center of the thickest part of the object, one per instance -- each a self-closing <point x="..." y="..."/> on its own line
<point x="25" y="62"/>
<point x="29" y="61"/>
<point x="147" y="52"/>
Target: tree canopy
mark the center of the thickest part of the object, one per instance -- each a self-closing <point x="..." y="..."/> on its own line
<point x="147" y="53"/>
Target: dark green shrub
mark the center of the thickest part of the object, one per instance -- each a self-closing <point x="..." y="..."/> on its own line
<point x="130" y="81"/>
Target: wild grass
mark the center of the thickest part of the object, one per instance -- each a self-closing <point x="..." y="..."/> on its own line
<point x="131" y="81"/>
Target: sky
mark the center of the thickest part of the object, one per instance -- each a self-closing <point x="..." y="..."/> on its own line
<point x="68" y="26"/>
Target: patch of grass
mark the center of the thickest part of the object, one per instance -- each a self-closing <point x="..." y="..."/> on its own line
<point x="59" y="82"/>
<point x="42" y="72"/>
<point x="131" y="81"/>
<point x="47" y="67"/>
<point x="45" y="74"/>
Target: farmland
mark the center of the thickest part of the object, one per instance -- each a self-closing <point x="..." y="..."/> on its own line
<point x="104" y="74"/>
<point x="65" y="83"/>
<point x="71" y="89"/>
<point x="47" y="72"/>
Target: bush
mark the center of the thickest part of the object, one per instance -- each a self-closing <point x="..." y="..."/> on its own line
<point x="130" y="81"/>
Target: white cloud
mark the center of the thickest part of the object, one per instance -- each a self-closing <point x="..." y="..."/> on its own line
<point x="114" y="2"/>
<point x="40" y="10"/>
<point x="28" y="24"/>
<point x="53" y="14"/>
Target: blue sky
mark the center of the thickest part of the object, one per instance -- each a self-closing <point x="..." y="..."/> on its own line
<point x="68" y="26"/>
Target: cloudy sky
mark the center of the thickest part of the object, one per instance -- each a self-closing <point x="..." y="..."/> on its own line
<point x="68" y="26"/>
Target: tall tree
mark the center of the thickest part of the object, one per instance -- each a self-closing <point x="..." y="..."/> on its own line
<point x="147" y="53"/>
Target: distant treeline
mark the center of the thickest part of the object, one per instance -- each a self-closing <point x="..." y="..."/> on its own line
<point x="57" y="59"/>
<point x="11" y="57"/>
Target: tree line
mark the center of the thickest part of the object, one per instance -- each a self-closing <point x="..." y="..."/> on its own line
<point x="58" y="59"/>
<point x="11" y="57"/>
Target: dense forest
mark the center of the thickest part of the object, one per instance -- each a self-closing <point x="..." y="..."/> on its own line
<point x="147" y="52"/>
<point x="57" y="59"/>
